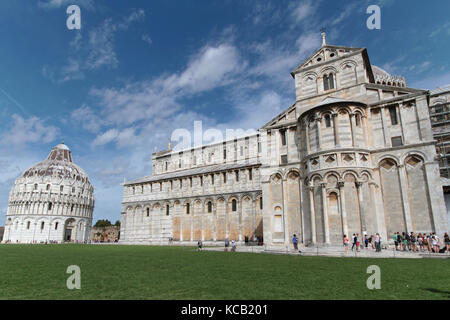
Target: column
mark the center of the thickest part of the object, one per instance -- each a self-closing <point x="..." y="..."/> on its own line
<point x="402" y="122"/>
<point x="365" y="130"/>
<point x="313" y="214"/>
<point x="336" y="129"/>
<point x="325" y="213"/>
<point x="361" y="207"/>
<point x="353" y="125"/>
<point x="387" y="143"/>
<point x="214" y="204"/>
<point x="341" y="185"/>
<point x="319" y="132"/>
<point x="239" y="212"/>
<point x="308" y="144"/>
<point x="405" y="200"/>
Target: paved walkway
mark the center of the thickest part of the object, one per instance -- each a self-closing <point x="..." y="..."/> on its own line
<point x="335" y="252"/>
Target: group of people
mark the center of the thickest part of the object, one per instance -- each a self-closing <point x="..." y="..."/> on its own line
<point x="227" y="244"/>
<point x="403" y="242"/>
<point x="373" y="242"/>
<point x="421" y="242"/>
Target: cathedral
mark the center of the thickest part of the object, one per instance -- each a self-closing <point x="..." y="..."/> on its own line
<point x="53" y="201"/>
<point x="355" y="153"/>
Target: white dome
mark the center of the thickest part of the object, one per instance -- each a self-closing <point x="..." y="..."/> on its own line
<point x="51" y="201"/>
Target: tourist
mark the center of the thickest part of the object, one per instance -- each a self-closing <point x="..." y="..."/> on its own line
<point x="358" y="241"/>
<point x="430" y="242"/>
<point x="447" y="242"/>
<point x="353" y="241"/>
<point x="377" y="243"/>
<point x="233" y="245"/>
<point x="413" y="242"/>
<point x="345" y="242"/>
<point x="395" y="240"/>
<point x="435" y="244"/>
<point x="366" y="241"/>
<point x="420" y="241"/>
<point x="199" y="245"/>
<point x="227" y="244"/>
<point x="294" y="242"/>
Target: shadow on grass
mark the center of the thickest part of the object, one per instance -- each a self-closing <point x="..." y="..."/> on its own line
<point x="439" y="291"/>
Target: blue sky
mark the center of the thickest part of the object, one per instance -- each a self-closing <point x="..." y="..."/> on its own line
<point x="137" y="70"/>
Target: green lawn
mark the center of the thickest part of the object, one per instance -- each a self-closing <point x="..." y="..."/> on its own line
<point x="144" y="272"/>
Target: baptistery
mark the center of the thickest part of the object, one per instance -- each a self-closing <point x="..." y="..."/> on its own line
<point x="53" y="201"/>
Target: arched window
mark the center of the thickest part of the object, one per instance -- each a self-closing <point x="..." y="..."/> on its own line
<point x="28" y="225"/>
<point x="233" y="205"/>
<point x="148" y="212"/>
<point x="209" y="207"/>
<point x="167" y="210"/>
<point x="61" y="188"/>
<point x="35" y="186"/>
<point x="56" y="226"/>
<point x="328" y="121"/>
<point x="42" y="225"/>
<point x="48" y="187"/>
<point x="187" y="208"/>
<point x="358" y="119"/>
<point x="328" y="81"/>
<point x="49" y="206"/>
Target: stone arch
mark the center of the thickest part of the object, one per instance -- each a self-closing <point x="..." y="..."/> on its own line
<point x="352" y="172"/>
<point x="349" y="61"/>
<point x="248" y="222"/>
<point x="328" y="69"/>
<point x="332" y="179"/>
<point x="352" y="203"/>
<point x="349" y="73"/>
<point x="314" y="177"/>
<point x="390" y="158"/>
<point x="418" y="194"/>
<point x="197" y="216"/>
<point x="423" y="157"/>
<point x="221" y="218"/>
<point x="276" y="177"/>
<point x="293" y="218"/>
<point x="186" y="220"/>
<point x="392" y="195"/>
<point x="367" y="173"/>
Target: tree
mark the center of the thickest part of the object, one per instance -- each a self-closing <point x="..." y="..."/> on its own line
<point x="103" y="223"/>
<point x="117" y="224"/>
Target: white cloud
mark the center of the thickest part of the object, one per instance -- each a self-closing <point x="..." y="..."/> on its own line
<point x="95" y="52"/>
<point x="146" y="38"/>
<point x="303" y="10"/>
<point x="28" y="130"/>
<point x="87" y="117"/>
<point x="105" y="137"/>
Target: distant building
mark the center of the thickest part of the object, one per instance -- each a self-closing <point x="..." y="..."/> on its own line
<point x="355" y="153"/>
<point x="52" y="201"/>
<point x="105" y="234"/>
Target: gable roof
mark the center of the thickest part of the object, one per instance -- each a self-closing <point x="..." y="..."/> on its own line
<point x="321" y="51"/>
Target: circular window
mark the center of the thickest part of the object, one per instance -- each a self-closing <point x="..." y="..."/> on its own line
<point x="332" y="54"/>
<point x="319" y="59"/>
